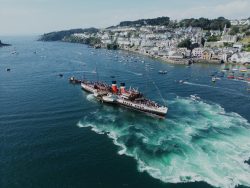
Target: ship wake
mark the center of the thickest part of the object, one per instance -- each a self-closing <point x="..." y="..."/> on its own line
<point x="196" y="142"/>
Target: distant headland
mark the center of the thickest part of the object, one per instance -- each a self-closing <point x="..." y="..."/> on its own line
<point x="2" y="44"/>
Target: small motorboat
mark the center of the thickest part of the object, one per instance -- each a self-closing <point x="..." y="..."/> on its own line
<point x="240" y="77"/>
<point x="182" y="81"/>
<point x="162" y="72"/>
<point x="8" y="69"/>
<point x="217" y="78"/>
<point x="194" y="97"/>
<point x="73" y="80"/>
<point x="213" y="79"/>
<point x="243" y="70"/>
<point x="230" y="76"/>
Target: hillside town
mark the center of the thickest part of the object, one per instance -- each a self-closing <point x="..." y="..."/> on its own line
<point x="176" y="44"/>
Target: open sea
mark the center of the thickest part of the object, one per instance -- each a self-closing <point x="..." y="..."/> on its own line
<point x="53" y="134"/>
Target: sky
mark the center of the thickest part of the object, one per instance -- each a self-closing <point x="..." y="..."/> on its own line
<point x="29" y="17"/>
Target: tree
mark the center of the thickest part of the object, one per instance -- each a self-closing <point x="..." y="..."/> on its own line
<point x="186" y="43"/>
<point x="193" y="46"/>
<point x="226" y="44"/>
<point x="112" y="46"/>
<point x="203" y="41"/>
<point x="155" y="21"/>
<point x="212" y="39"/>
<point x="204" y="23"/>
<point x="234" y="30"/>
<point x="248" y="33"/>
<point x="173" y="24"/>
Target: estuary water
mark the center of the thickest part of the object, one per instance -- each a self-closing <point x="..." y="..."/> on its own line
<point x="53" y="134"/>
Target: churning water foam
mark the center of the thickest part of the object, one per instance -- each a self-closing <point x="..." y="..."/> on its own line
<point x="197" y="142"/>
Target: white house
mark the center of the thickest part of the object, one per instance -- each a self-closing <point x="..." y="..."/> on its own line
<point x="244" y="22"/>
<point x="105" y="36"/>
<point x="234" y="22"/>
<point x="229" y="38"/>
<point x="215" y="32"/>
<point x="236" y="57"/>
<point x="163" y="53"/>
<point x="239" y="46"/>
<point x="243" y="57"/>
<point x="81" y="35"/>
<point x="123" y="41"/>
<point x="240" y="22"/>
<point x="135" y="41"/>
<point x="147" y="43"/>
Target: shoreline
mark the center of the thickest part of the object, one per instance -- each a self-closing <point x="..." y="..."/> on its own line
<point x="184" y="61"/>
<point x="163" y="59"/>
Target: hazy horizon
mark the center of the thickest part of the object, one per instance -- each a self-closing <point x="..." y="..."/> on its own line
<point x="34" y="17"/>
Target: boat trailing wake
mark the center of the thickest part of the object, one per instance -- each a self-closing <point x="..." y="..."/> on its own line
<point x="197" y="142"/>
<point x="135" y="73"/>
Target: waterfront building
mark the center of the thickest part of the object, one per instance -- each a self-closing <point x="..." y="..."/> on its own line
<point x="240" y="57"/>
<point x="236" y="58"/>
<point x="175" y="55"/>
<point x="163" y="53"/>
<point x="197" y="52"/>
<point x="207" y="54"/>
